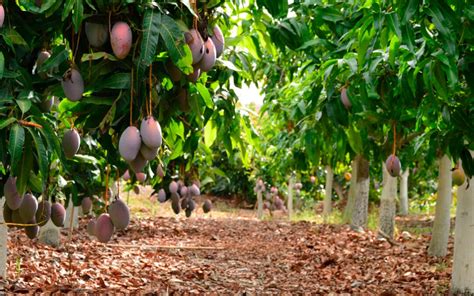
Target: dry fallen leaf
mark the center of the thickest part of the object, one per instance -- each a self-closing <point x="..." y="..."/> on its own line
<point x="256" y="257"/>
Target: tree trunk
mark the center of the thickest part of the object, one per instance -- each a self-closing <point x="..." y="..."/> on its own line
<point x="361" y="201"/>
<point x="328" y="193"/>
<point x="441" y="226"/>
<point x="352" y="192"/>
<point x="404" y="193"/>
<point x="3" y="242"/>
<point x="259" y="205"/>
<point x="338" y="190"/>
<point x="463" y="267"/>
<point x="74" y="210"/>
<point x="290" y="197"/>
<point x="387" y="203"/>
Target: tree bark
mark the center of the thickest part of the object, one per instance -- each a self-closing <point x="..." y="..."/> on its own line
<point x="352" y="192"/>
<point x="3" y="242"/>
<point x="338" y="190"/>
<point x="442" y="221"/>
<point x="404" y="193"/>
<point x="361" y="201"/>
<point x="259" y="205"/>
<point x="388" y="203"/>
<point x="328" y="192"/>
<point x="290" y="197"/>
<point x="75" y="213"/>
<point x="463" y="263"/>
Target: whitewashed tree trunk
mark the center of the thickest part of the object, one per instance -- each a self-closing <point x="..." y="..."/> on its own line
<point x="352" y="192"/>
<point x="388" y="203"/>
<point x="463" y="267"/>
<point x="298" y="200"/>
<point x="360" y="210"/>
<point x="259" y="205"/>
<point x="404" y="193"/>
<point x="442" y="221"/>
<point x="290" y="197"/>
<point x="74" y="210"/>
<point x="50" y="234"/>
<point x="328" y="192"/>
<point x="3" y="242"/>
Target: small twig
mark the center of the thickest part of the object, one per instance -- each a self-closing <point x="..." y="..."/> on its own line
<point x="184" y="121"/>
<point x="165" y="247"/>
<point x="77" y="45"/>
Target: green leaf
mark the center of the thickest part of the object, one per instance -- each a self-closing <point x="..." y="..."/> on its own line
<point x="24" y="105"/>
<point x="210" y="133"/>
<point x="195" y="106"/>
<point x="409" y="37"/>
<point x="189" y="7"/>
<point x="177" y="129"/>
<point x="150" y="28"/>
<point x="173" y="38"/>
<point x="116" y="81"/>
<point x="51" y="137"/>
<point x="78" y="14"/>
<point x="355" y="140"/>
<point x="25" y="167"/>
<point x="394" y="24"/>
<point x="42" y="155"/>
<point x="206" y="96"/>
<point x="439" y="81"/>
<point x="177" y="150"/>
<point x="15" y="147"/>
<point x="410" y="10"/>
<point x="330" y="14"/>
<point x="58" y="56"/>
<point x="5" y="122"/>
<point x="67" y="9"/>
<point x="393" y="50"/>
<point x="31" y="6"/>
<point x="35" y="183"/>
<point x="277" y="8"/>
<point x="2" y="64"/>
<point x="11" y="36"/>
<point x="364" y="43"/>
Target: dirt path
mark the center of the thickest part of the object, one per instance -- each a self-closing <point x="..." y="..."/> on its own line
<point x="256" y="257"/>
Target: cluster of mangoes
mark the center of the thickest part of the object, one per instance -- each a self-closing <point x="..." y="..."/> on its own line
<point x="138" y="147"/>
<point x="97" y="35"/>
<point x="25" y="211"/>
<point x="182" y="197"/>
<point x="117" y="217"/>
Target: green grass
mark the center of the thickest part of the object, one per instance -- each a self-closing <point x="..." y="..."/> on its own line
<point x="373" y="219"/>
<point x="308" y="215"/>
<point x="336" y="217"/>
